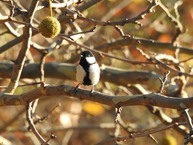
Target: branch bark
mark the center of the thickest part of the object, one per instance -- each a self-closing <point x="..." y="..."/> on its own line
<point x="137" y="41"/>
<point x="153" y="99"/>
<point x="67" y="71"/>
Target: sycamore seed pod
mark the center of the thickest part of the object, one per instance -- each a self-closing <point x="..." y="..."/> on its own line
<point x="50" y="27"/>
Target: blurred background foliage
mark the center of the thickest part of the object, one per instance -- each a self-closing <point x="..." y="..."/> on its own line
<point x="77" y="122"/>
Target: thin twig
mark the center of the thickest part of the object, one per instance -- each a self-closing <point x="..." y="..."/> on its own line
<point x="42" y="72"/>
<point x="189" y="122"/>
<point x="175" y="20"/>
<point x="163" y="81"/>
<point x="31" y="124"/>
<point x="78" y="33"/>
<point x="122" y="22"/>
<point x="106" y="54"/>
<point x="141" y="133"/>
<point x="47" y="115"/>
<point x="159" y="62"/>
<point x="185" y="60"/>
<point x="153" y="138"/>
<point x="88" y="5"/>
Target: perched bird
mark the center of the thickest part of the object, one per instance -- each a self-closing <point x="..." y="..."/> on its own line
<point x="87" y="71"/>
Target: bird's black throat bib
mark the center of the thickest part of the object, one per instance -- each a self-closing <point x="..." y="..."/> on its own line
<point x="86" y="67"/>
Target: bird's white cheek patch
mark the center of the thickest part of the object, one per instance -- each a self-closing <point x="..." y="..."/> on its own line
<point x="91" y="60"/>
<point x="80" y="74"/>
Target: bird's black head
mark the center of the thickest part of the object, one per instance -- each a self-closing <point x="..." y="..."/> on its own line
<point x="87" y="59"/>
<point x="87" y="54"/>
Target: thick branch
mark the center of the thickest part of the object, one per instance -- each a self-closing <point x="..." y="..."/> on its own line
<point x="142" y="42"/>
<point x="153" y="99"/>
<point x="67" y="71"/>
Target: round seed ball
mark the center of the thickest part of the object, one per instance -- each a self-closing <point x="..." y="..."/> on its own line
<point x="50" y="27"/>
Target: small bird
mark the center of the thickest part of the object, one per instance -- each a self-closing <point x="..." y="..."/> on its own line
<point x="87" y="71"/>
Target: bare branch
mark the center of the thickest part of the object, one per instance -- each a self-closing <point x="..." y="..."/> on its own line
<point x="122" y="22"/>
<point x="88" y="5"/>
<point x="189" y="122"/>
<point x="31" y="124"/>
<point x="136" y="134"/>
<point x="67" y="71"/>
<point x="21" y="57"/>
<point x="175" y="20"/>
<point x="163" y="81"/>
<point x="153" y="99"/>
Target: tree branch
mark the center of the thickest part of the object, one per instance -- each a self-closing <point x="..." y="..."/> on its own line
<point x="153" y="99"/>
<point x="137" y="41"/>
<point x="32" y="125"/>
<point x="67" y="71"/>
<point x="19" y="63"/>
